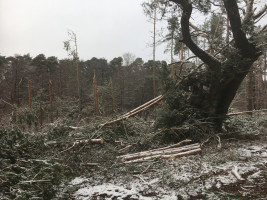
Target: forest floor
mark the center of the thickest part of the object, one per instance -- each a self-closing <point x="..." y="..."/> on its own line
<point x="205" y="176"/>
<point x="44" y="164"/>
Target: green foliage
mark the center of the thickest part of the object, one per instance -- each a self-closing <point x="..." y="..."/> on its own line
<point x="202" y="5"/>
<point x="2" y="60"/>
<point x="182" y="114"/>
<point x="39" y="60"/>
<point x="51" y="62"/>
<point x="116" y="62"/>
<point x="246" y="124"/>
<point x="180" y="120"/>
<point x="71" y="45"/>
<point x="21" y="169"/>
<point x="25" y="118"/>
<point x="174" y="34"/>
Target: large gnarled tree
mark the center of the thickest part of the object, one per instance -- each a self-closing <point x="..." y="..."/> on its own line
<point x="226" y="69"/>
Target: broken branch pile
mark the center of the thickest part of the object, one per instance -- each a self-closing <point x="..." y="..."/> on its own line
<point x="172" y="151"/>
<point x="136" y="110"/>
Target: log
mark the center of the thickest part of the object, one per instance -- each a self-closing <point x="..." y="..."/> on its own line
<point x="159" y="149"/>
<point x="96" y="141"/>
<point x="178" y="155"/>
<point x="246" y="112"/>
<point x="162" y="152"/>
<point x="91" y="141"/>
<point x="90" y="164"/>
<point x="34" y="181"/>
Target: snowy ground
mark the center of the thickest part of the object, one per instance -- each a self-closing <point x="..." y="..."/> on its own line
<point x="205" y="176"/>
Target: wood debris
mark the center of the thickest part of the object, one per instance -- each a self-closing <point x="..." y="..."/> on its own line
<point x="84" y="142"/>
<point x="172" y="151"/>
<point x="246" y="112"/>
<point x="236" y="174"/>
<point x="90" y="164"/>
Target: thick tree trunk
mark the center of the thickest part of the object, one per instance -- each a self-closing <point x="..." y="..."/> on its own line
<point x="223" y="78"/>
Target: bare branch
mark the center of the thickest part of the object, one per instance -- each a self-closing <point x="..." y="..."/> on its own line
<point x="260" y="13"/>
<point x="200" y="33"/>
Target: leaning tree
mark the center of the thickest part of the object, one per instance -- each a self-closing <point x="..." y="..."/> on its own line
<point x="213" y="85"/>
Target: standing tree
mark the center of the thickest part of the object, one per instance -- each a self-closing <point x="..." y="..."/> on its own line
<point x="73" y="51"/>
<point x="171" y="36"/>
<point x="150" y="9"/>
<point x="211" y="89"/>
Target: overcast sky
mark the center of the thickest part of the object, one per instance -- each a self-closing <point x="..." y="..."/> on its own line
<point x="104" y="28"/>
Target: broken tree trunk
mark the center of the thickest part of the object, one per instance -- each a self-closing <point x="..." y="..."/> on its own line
<point x="144" y="105"/>
<point x="135" y="111"/>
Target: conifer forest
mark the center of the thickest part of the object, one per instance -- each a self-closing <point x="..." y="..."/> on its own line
<point x="191" y="126"/>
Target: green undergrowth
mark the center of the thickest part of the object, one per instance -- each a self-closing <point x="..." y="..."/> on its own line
<point x="178" y="120"/>
<point x="35" y="162"/>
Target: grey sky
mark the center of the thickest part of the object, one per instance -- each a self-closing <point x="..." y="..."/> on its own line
<point x="104" y="28"/>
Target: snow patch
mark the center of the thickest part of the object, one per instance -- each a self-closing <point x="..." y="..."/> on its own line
<point x="110" y="191"/>
<point x="78" y="181"/>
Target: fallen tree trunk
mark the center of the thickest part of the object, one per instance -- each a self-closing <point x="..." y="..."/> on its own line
<point x="135" y="111"/>
<point x="178" y="155"/>
<point x="142" y="106"/>
<point x="158" y="149"/>
<point x="171" y="151"/>
<point x="246" y="112"/>
<point x="162" y="152"/>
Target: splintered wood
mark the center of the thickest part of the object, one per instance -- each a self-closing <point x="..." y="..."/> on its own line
<point x="172" y="151"/>
<point x="135" y="111"/>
